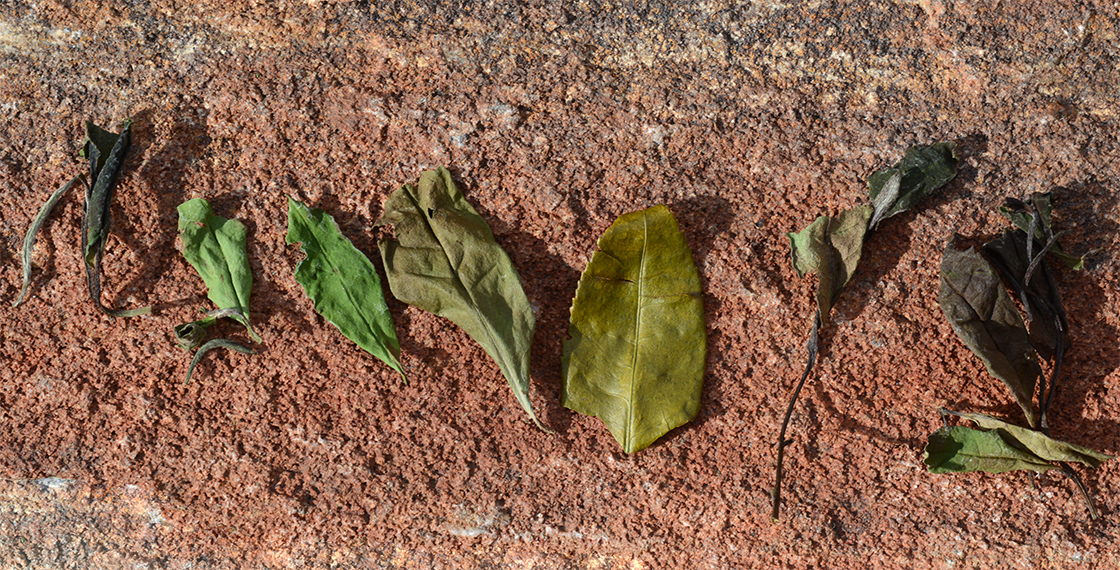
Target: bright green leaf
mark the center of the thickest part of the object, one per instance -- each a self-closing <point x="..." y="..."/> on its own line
<point x="343" y="283"/>
<point x="215" y="247"/>
<point x="977" y="306"/>
<point x="921" y="171"/>
<point x="638" y="344"/>
<point x="444" y="260"/>
<point x="831" y="247"/>
<point x="961" y="450"/>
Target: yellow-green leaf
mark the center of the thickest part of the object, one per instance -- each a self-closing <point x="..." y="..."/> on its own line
<point x="638" y="344"/>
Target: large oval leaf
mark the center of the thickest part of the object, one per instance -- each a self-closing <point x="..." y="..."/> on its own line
<point x="343" y="283"/>
<point x="977" y="306"/>
<point x="636" y="354"/>
<point x="444" y="260"/>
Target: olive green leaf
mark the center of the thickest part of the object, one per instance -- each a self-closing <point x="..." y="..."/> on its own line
<point x="977" y="306"/>
<point x="343" y="283"/>
<point x="830" y="246"/>
<point x="444" y="260"/>
<point x="216" y="343"/>
<point x="215" y="247"/>
<point x="36" y="225"/>
<point x="106" y="153"/>
<point x="637" y="346"/>
<point x="1022" y="215"/>
<point x="1036" y="442"/>
<point x="962" y="450"/>
<point x="921" y="171"/>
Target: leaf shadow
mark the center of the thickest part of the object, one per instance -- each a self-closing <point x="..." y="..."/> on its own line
<point x="164" y="176"/>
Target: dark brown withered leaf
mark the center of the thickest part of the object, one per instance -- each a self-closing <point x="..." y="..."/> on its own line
<point x="983" y="316"/>
<point x="1022" y="213"/>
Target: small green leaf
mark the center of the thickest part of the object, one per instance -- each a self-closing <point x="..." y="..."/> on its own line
<point x="638" y="344"/>
<point x="215" y="247"/>
<point x="977" y="306"/>
<point x="830" y="246"/>
<point x="216" y="343"/>
<point x="1020" y="214"/>
<point x="962" y="450"/>
<point x="36" y="225"/>
<point x="343" y="283"/>
<point x="1036" y="442"/>
<point x="445" y="260"/>
<point x="921" y="171"/>
<point x="106" y="153"/>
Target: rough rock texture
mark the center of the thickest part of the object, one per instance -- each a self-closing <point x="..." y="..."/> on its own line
<point x="746" y="119"/>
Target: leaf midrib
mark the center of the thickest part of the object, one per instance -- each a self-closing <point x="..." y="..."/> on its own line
<point x="637" y="335"/>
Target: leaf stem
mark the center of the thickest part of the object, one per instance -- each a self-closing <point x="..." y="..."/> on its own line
<point x="811" y="347"/>
<point x="1068" y="472"/>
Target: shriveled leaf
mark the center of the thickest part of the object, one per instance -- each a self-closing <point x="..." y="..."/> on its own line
<point x="831" y="247"/>
<point x="189" y="336"/>
<point x="921" y="171"/>
<point x="215" y="247"/>
<point x="980" y="311"/>
<point x="1048" y="324"/>
<point x="1036" y="442"/>
<point x="444" y="260"/>
<point x="216" y="343"/>
<point x="36" y="225"/>
<point x="1021" y="214"/>
<point x="962" y="450"/>
<point x="106" y="153"/>
<point x="343" y="283"/>
<point x="638" y="344"/>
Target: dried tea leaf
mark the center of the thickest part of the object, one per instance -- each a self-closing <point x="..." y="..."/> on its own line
<point x="980" y="311"/>
<point x="921" y="171"/>
<point x="343" y="283"/>
<point x="1021" y="214"/>
<point x="1036" y="442"/>
<point x="36" y="225"/>
<point x="830" y="246"/>
<point x="444" y="260"/>
<point x="962" y="450"/>
<point x="216" y="343"/>
<point x="638" y="344"/>
<point x="106" y="153"/>
<point x="215" y="247"/>
<point x="1046" y="316"/>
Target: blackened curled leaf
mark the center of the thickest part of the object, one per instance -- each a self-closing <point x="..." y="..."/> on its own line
<point x="106" y="153"/>
<point x="444" y="260"/>
<point x="980" y="311"/>
<point x="211" y="345"/>
<point x="638" y="344"/>
<point x="831" y="247"/>
<point x="343" y="283"/>
<point x="36" y="225"/>
<point x="1022" y="213"/>
<point x="215" y="247"/>
<point x="921" y="171"/>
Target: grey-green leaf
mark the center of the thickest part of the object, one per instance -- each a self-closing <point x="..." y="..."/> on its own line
<point x="1036" y="442"/>
<point x="343" y="283"/>
<point x="921" y="171"/>
<point x="638" y="343"/>
<point x="215" y="247"/>
<point x="977" y="306"/>
<point x="445" y="260"/>
<point x="106" y="161"/>
<point x="962" y="450"/>
<point x="830" y="246"/>
<point x="211" y="345"/>
<point x="36" y="225"/>
<point x="1017" y="212"/>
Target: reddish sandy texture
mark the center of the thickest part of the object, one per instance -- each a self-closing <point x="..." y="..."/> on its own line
<point x="747" y="120"/>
